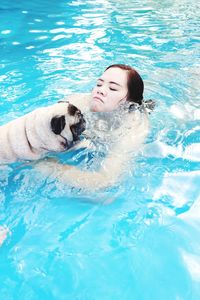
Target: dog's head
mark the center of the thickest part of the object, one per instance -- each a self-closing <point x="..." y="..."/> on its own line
<point x="66" y="123"/>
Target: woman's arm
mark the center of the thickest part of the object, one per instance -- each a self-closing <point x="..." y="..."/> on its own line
<point x="106" y="176"/>
<point x="130" y="138"/>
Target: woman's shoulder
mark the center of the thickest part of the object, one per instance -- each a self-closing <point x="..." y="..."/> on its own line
<point x="81" y="100"/>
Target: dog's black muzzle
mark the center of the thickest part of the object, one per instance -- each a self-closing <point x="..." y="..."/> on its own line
<point x="78" y="128"/>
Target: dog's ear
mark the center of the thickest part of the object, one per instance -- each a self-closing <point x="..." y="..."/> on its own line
<point x="73" y="110"/>
<point x="58" y="124"/>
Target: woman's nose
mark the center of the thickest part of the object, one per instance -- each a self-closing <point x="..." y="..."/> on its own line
<point x="101" y="90"/>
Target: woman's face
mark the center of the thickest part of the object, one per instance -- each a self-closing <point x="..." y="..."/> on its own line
<point x="110" y="91"/>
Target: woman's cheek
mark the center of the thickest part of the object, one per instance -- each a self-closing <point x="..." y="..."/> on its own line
<point x="92" y="93"/>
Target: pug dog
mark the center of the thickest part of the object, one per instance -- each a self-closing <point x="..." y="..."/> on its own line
<point x="54" y="128"/>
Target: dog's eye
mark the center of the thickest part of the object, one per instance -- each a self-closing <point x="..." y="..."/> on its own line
<point x="77" y="129"/>
<point x="74" y="130"/>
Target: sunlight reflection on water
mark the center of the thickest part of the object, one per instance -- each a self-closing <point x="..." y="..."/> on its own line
<point x="134" y="234"/>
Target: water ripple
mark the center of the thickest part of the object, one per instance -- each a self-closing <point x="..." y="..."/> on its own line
<point x="50" y="50"/>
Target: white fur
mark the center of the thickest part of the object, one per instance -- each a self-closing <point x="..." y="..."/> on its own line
<point x="30" y="137"/>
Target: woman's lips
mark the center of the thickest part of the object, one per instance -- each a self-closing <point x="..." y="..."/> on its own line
<point x="97" y="99"/>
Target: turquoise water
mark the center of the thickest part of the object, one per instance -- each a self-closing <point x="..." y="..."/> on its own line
<point x="139" y="240"/>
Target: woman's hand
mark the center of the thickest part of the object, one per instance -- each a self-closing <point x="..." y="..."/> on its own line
<point x="50" y="167"/>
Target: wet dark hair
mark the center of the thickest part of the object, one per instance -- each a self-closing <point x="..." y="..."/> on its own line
<point x="135" y="83"/>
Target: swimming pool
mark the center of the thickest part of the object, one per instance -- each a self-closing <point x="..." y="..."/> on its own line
<point x="66" y="244"/>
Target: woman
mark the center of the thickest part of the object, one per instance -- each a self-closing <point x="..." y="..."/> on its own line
<point x="116" y="123"/>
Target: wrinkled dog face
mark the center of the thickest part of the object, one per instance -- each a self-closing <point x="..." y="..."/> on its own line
<point x="68" y="123"/>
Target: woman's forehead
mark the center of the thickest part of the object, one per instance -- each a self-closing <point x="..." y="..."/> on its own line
<point x="115" y="75"/>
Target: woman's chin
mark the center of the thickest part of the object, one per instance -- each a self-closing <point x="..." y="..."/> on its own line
<point x="96" y="107"/>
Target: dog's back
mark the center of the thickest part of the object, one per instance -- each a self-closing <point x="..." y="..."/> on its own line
<point x="14" y="144"/>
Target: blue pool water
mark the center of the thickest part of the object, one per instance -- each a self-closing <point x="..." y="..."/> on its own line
<point x="139" y="240"/>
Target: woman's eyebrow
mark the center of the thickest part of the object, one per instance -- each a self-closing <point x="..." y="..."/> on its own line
<point x="111" y="82"/>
